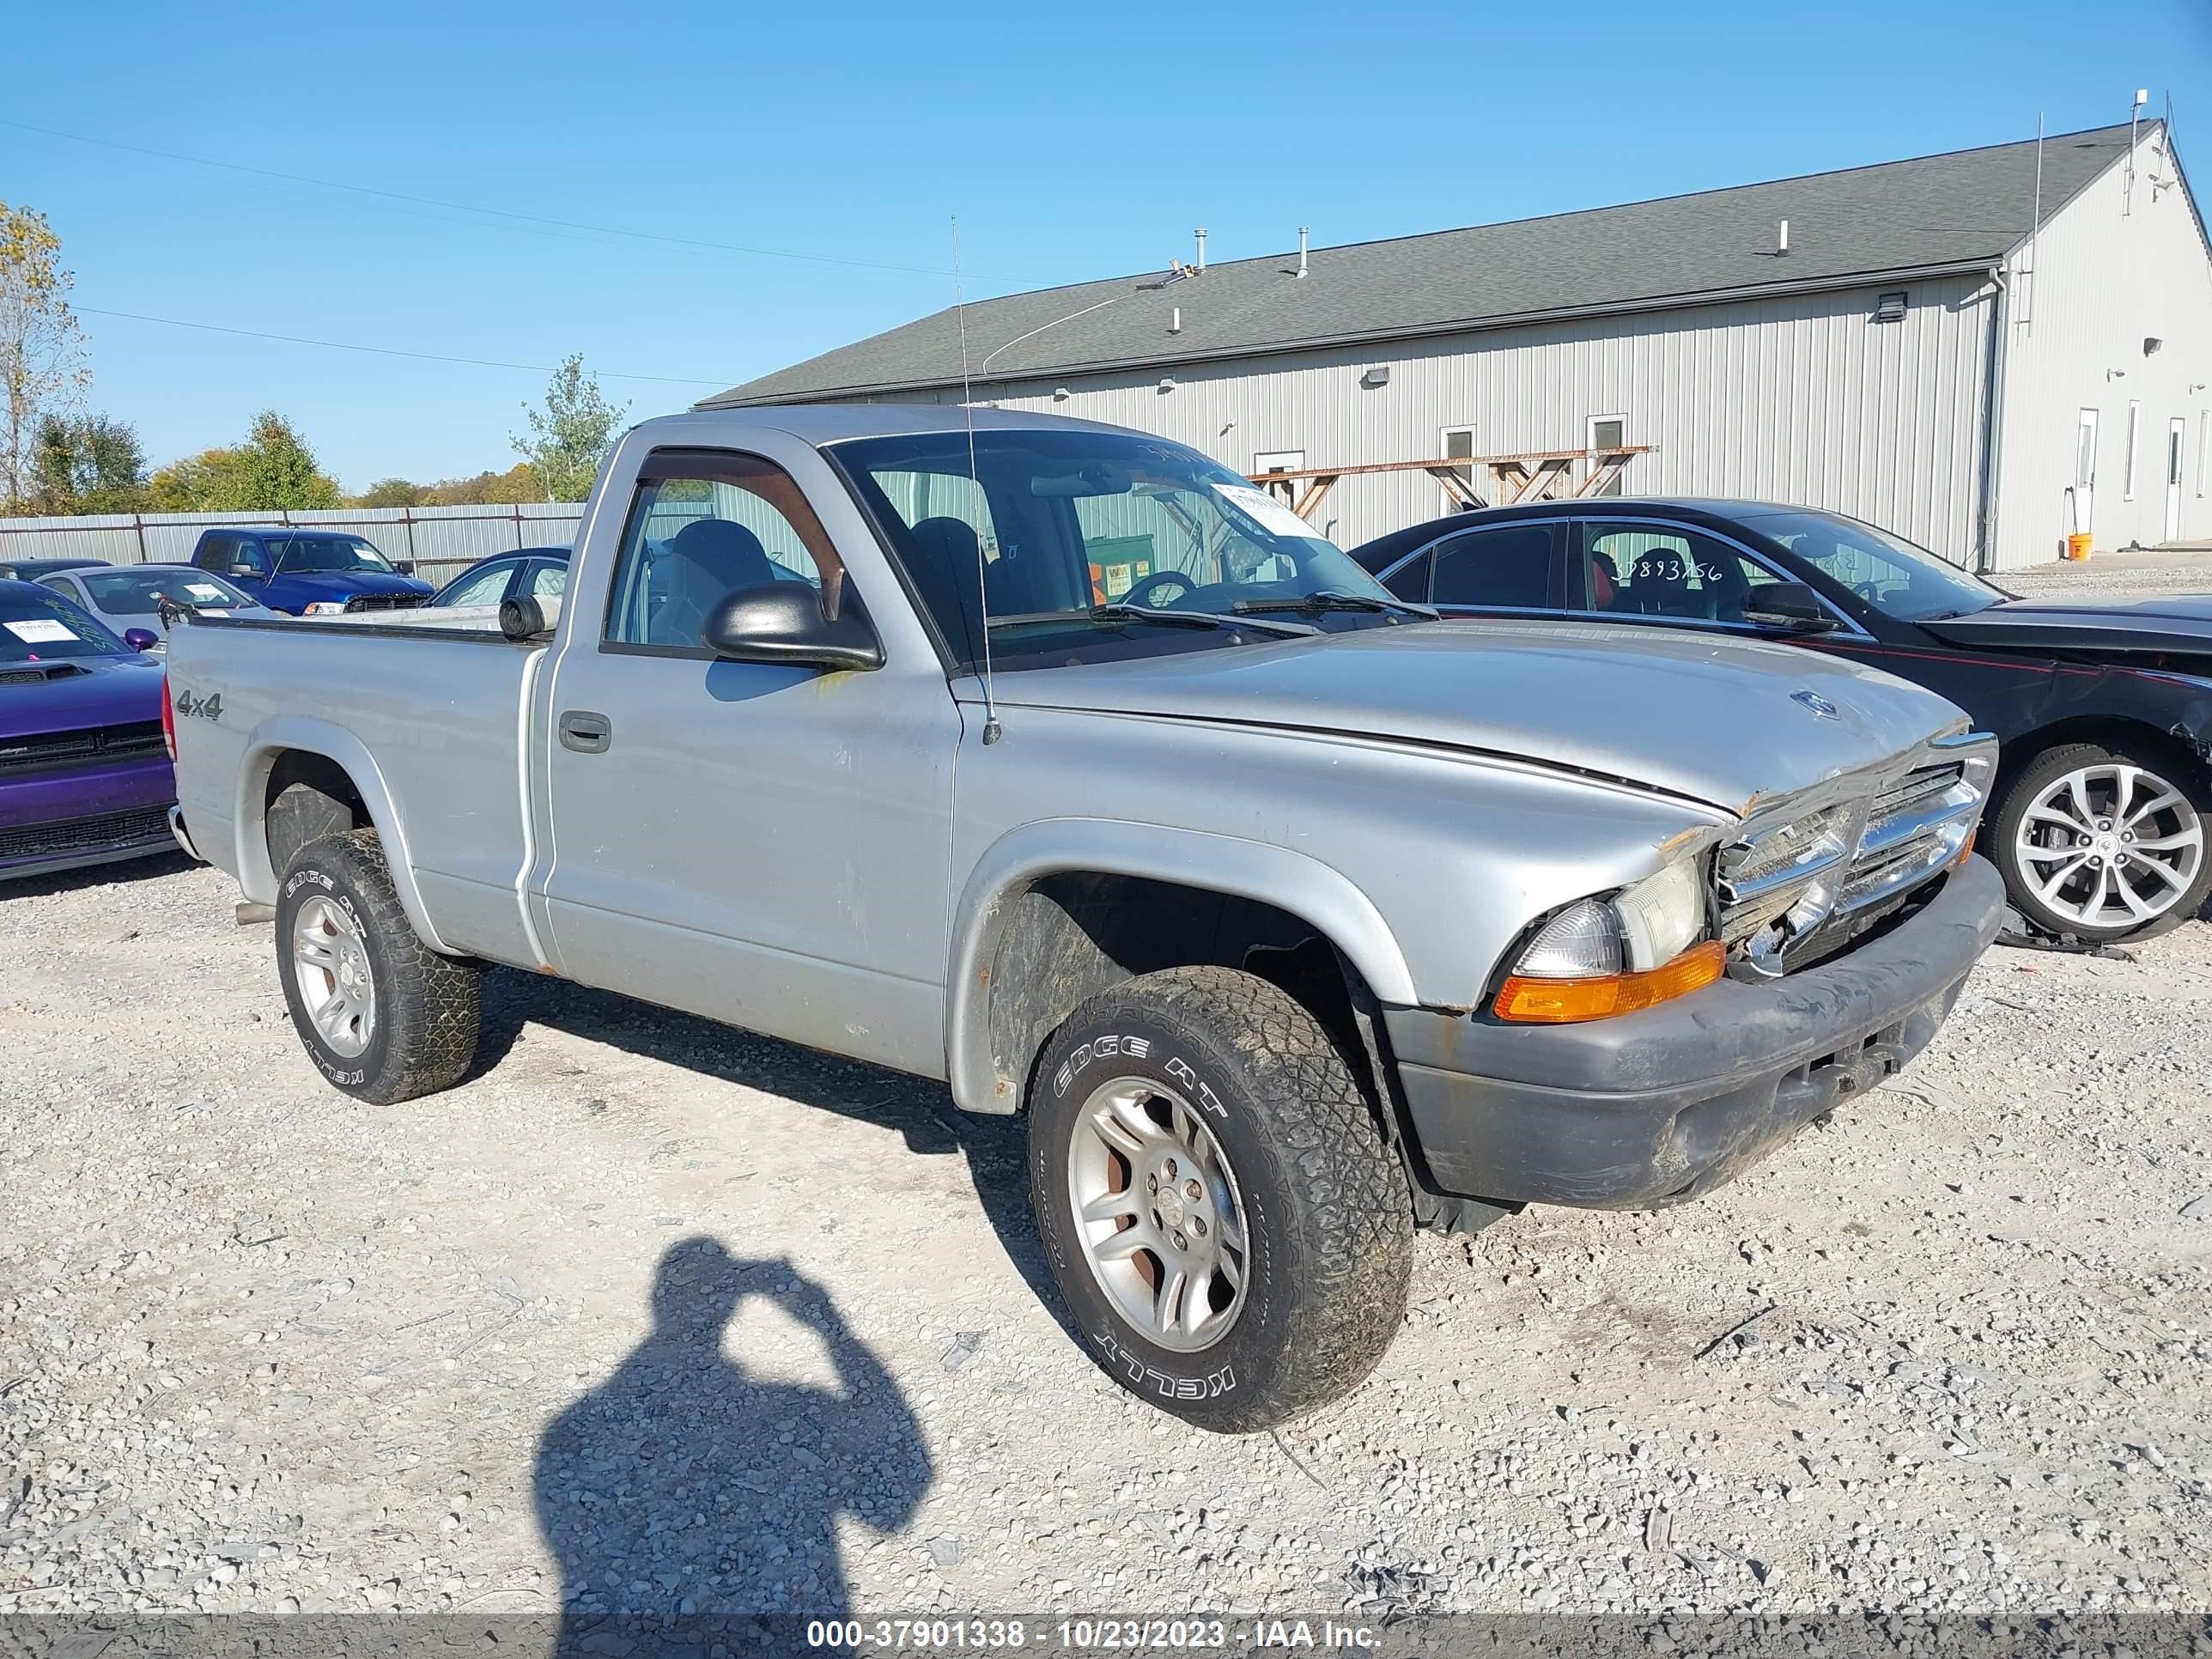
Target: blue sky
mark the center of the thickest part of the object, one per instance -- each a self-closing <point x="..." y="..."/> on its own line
<point x="1072" y="140"/>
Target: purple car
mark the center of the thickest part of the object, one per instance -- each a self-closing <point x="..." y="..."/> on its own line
<point x="84" y="773"/>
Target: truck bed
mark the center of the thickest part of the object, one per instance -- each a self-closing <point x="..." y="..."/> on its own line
<point x="451" y="696"/>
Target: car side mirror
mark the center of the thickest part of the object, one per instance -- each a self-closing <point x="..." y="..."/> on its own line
<point x="242" y="570"/>
<point x="140" y="639"/>
<point x="782" y="622"/>
<point x="1790" y="606"/>
<point x="404" y="566"/>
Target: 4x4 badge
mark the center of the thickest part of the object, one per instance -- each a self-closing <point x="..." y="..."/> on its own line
<point x="1819" y="704"/>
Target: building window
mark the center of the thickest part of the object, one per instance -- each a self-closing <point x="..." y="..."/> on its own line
<point x="1606" y="431"/>
<point x="1280" y="460"/>
<point x="2134" y="430"/>
<point x="1458" y="443"/>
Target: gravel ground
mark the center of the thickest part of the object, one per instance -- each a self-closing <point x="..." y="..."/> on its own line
<point x="265" y="1348"/>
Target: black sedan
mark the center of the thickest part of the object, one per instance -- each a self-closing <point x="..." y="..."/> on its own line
<point x="2104" y="711"/>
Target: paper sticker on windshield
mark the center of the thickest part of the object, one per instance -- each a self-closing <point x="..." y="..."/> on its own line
<point x="40" y="631"/>
<point x="1269" y="513"/>
<point x="206" y="591"/>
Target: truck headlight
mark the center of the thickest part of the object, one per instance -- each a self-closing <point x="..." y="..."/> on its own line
<point x="1598" y="957"/>
<point x="323" y="608"/>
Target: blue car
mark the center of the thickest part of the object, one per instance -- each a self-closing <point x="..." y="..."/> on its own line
<point x="309" y="573"/>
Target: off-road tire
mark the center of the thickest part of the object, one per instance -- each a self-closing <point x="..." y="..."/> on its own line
<point x="1329" y="1216"/>
<point x="2168" y="762"/>
<point x="428" y="1006"/>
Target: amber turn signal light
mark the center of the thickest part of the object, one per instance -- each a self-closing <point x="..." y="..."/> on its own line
<point x="1564" y="1001"/>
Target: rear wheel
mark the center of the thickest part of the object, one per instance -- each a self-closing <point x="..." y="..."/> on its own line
<point x="2105" y="843"/>
<point x="383" y="1016"/>
<point x="1216" y="1198"/>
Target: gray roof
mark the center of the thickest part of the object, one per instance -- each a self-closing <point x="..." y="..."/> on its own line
<point x="1901" y="218"/>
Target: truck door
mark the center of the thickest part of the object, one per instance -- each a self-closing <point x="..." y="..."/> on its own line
<point x="766" y="845"/>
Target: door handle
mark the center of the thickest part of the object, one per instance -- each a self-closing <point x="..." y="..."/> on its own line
<point x="586" y="733"/>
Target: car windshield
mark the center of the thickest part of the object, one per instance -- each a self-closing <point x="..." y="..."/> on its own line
<point x="298" y="554"/>
<point x="46" y="628"/>
<point x="1070" y="532"/>
<point x="1897" y="578"/>
<point x="139" y="593"/>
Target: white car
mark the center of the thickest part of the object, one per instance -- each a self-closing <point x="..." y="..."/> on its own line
<point x="128" y="598"/>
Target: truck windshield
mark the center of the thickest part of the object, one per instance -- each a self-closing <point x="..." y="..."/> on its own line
<point x="1897" y="578"/>
<point x="296" y="554"/>
<point x="1070" y="535"/>
<point x="38" y="628"/>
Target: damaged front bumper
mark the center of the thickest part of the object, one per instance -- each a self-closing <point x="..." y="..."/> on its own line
<point x="1655" y="1108"/>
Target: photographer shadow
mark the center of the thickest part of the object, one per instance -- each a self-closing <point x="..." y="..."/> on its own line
<point x="686" y="1490"/>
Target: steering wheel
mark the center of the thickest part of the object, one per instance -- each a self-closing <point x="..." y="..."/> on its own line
<point x="1142" y="593"/>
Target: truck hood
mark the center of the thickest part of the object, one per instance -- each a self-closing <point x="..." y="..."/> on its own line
<point x="291" y="588"/>
<point x="1721" y="721"/>
<point x="78" y="693"/>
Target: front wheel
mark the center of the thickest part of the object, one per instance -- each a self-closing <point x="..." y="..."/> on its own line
<point x="1217" y="1203"/>
<point x="2101" y="844"/>
<point x="383" y="1016"/>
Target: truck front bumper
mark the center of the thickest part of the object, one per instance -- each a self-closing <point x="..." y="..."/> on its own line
<point x="1655" y="1108"/>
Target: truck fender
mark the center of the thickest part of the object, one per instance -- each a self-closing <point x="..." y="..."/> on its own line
<point x="1290" y="881"/>
<point x="335" y="743"/>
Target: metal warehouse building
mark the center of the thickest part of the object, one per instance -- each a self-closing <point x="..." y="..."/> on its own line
<point x="1984" y="351"/>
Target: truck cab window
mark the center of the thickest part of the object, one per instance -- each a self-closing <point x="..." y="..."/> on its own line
<point x="702" y="525"/>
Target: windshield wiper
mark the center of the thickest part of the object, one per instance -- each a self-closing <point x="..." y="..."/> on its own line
<point x="1123" y="612"/>
<point x="1330" y="598"/>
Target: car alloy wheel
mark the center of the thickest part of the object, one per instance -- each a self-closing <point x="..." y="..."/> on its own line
<point x="1158" y="1214"/>
<point x="330" y="963"/>
<point x="2110" y="844"/>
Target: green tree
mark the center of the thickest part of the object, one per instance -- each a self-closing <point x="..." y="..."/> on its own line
<point x="86" y="464"/>
<point x="41" y="347"/>
<point x="277" y="469"/>
<point x="570" y="436"/>
<point x="205" y="483"/>
<point x="392" y="492"/>
<point x="273" y="468"/>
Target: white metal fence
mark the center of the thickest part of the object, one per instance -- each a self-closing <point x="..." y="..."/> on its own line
<point x="438" y="540"/>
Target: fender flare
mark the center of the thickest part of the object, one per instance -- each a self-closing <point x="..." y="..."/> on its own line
<point x="333" y="743"/>
<point x="1315" y="892"/>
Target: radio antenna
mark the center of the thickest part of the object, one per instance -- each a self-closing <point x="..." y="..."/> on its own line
<point x="992" y="731"/>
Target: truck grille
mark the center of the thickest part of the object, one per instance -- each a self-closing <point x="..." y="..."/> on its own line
<point x="383" y="602"/>
<point x="1799" y="880"/>
<point x="66" y="750"/>
<point x="99" y="835"/>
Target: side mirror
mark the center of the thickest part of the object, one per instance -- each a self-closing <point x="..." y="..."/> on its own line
<point x="782" y="622"/>
<point x="1790" y="606"/>
<point x="243" y="569"/>
<point x="140" y="639"/>
<point x="404" y="566"/>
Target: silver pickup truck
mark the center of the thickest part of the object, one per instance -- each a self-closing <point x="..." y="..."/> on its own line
<point x="1060" y="763"/>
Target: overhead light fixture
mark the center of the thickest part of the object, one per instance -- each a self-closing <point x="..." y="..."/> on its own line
<point x="1060" y="394"/>
<point x="1378" y="375"/>
<point x="1166" y="384"/>
<point x="2151" y="344"/>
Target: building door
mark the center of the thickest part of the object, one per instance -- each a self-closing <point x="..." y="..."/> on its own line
<point x="2176" y="433"/>
<point x="2084" y="473"/>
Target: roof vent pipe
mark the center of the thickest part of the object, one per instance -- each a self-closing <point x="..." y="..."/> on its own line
<point x="1174" y="320"/>
<point x="1301" y="250"/>
<point x="1201" y="247"/>
<point x="1782" y="242"/>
